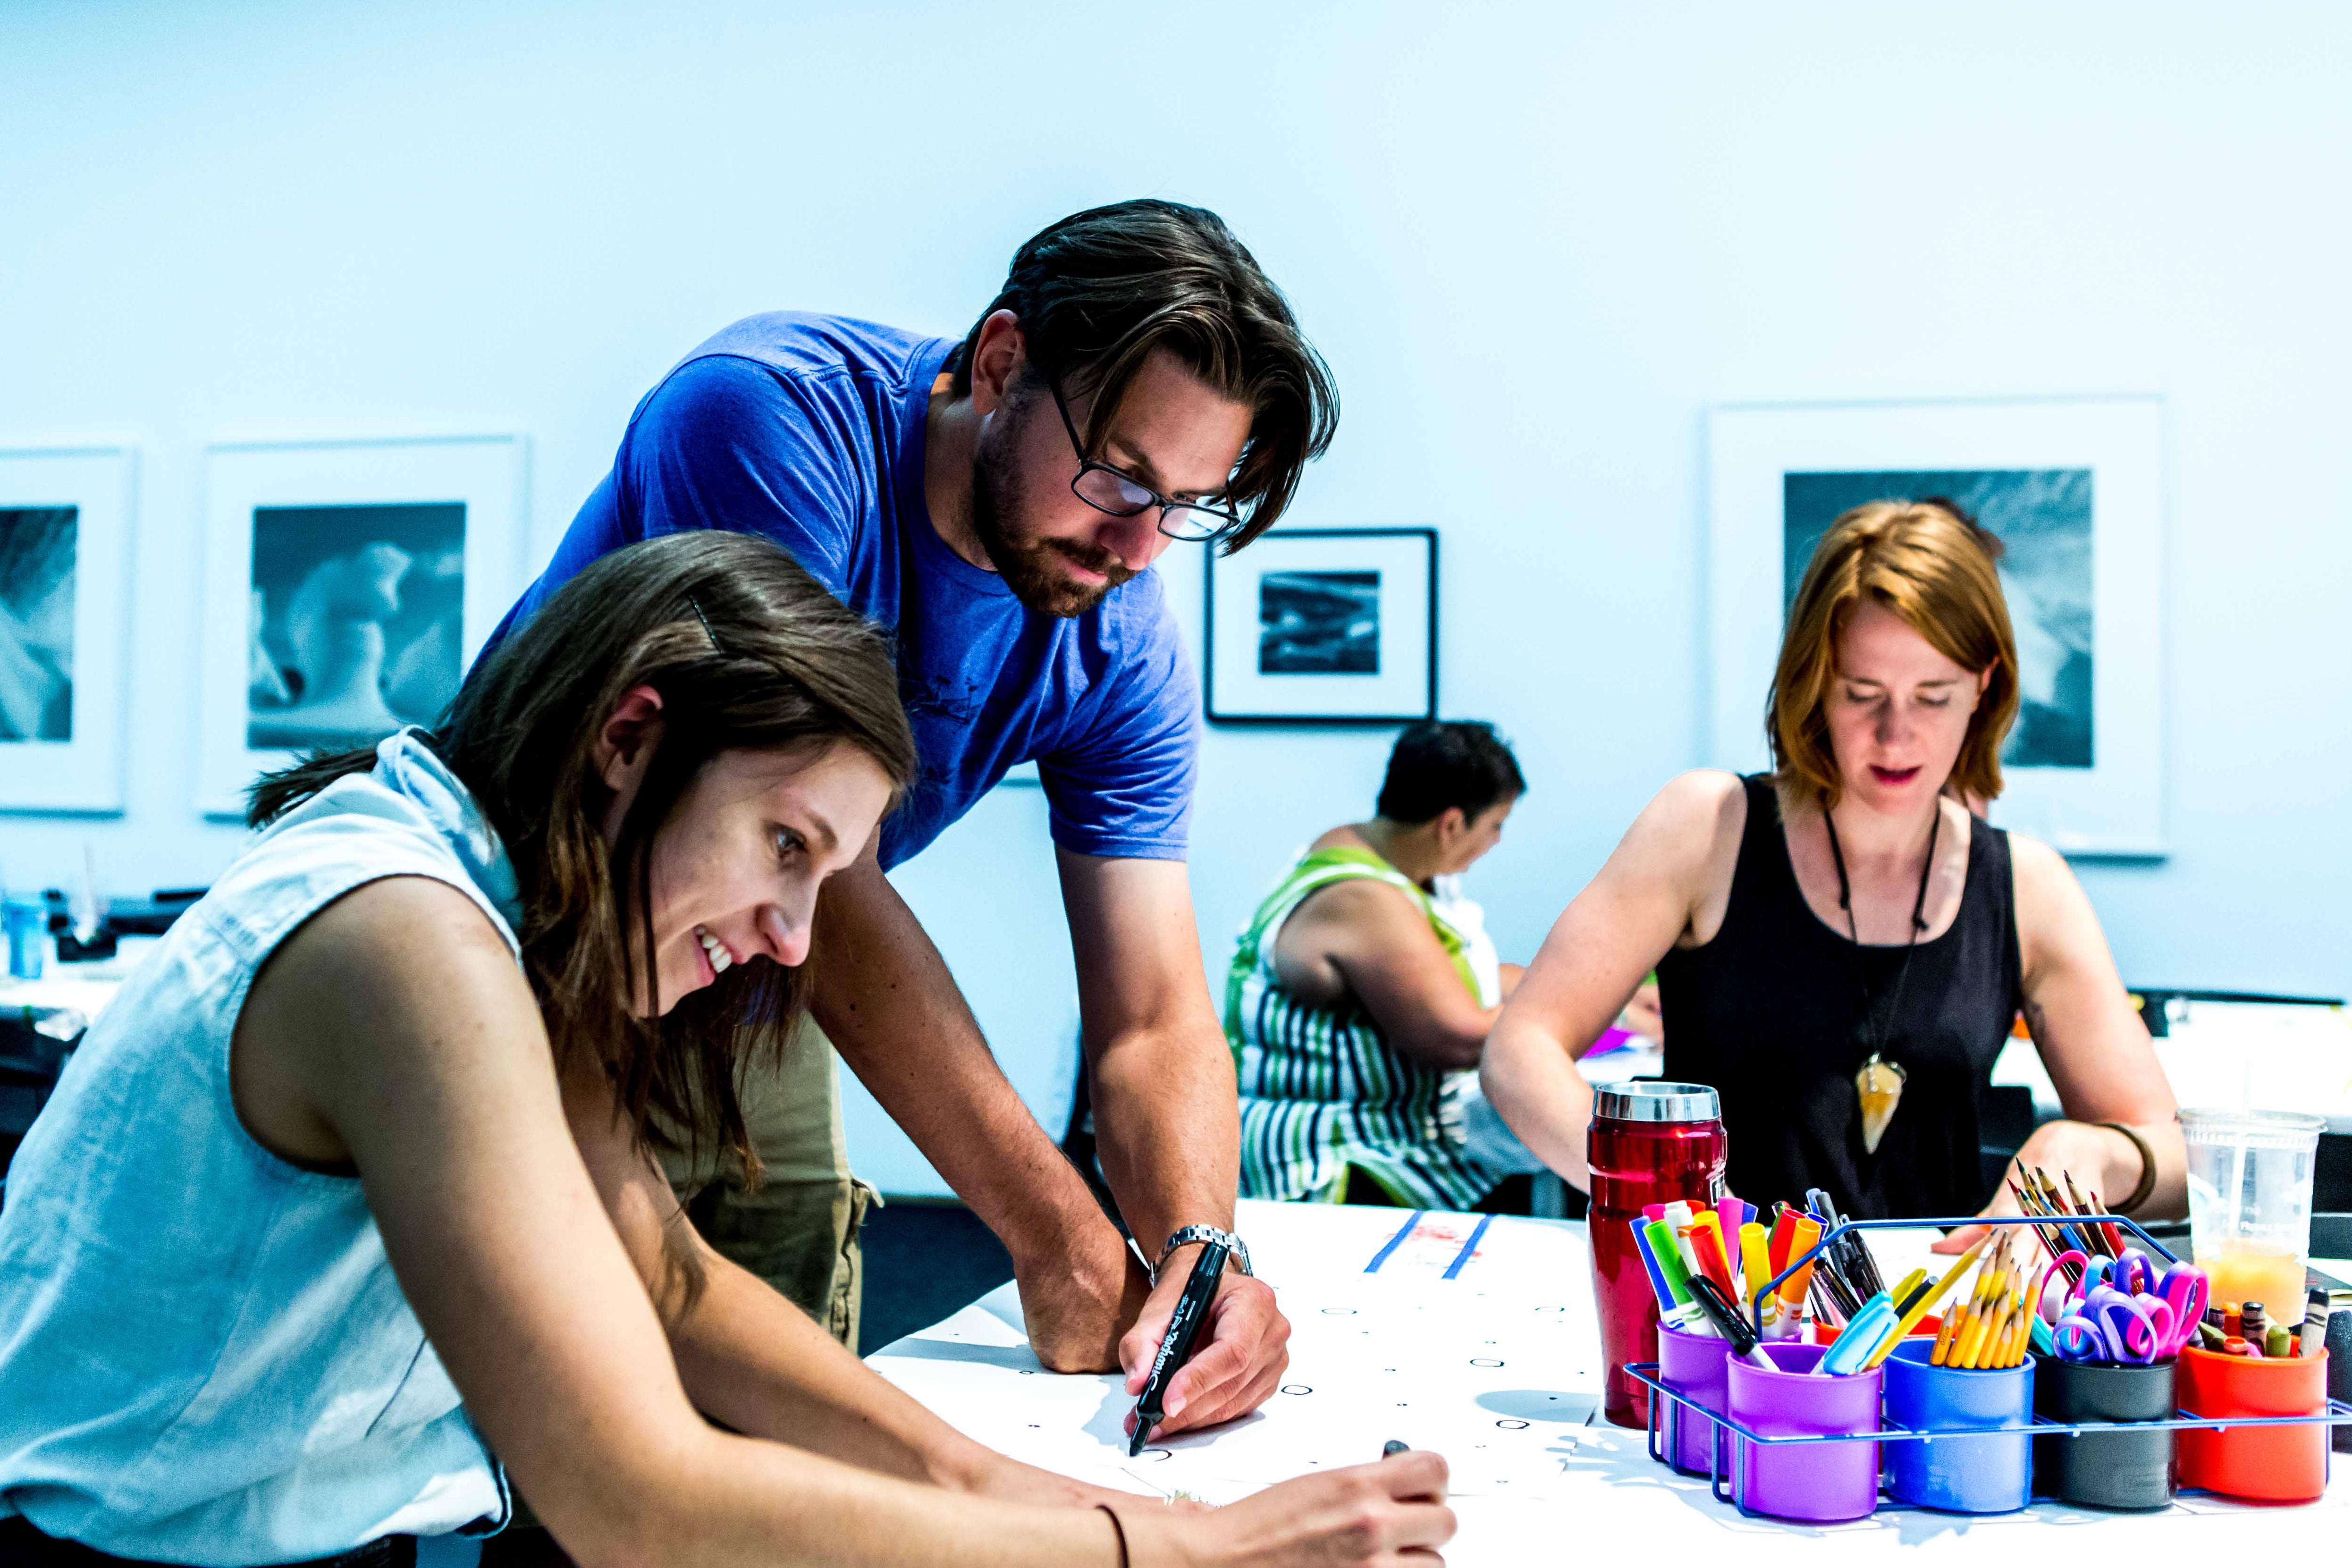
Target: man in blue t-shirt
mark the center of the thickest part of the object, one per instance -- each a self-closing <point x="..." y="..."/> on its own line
<point x="996" y="504"/>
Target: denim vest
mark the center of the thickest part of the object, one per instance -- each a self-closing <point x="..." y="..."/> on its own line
<point x="204" y="1355"/>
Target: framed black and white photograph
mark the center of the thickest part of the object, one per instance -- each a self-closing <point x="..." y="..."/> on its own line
<point x="349" y="585"/>
<point x="2071" y="487"/>
<point x="65" y="536"/>
<point x="1324" y="625"/>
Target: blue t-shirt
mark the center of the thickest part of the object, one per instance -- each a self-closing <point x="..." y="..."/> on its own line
<point x="809" y="430"/>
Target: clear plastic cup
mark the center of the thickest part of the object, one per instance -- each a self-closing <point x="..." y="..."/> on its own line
<point x="2250" y="1204"/>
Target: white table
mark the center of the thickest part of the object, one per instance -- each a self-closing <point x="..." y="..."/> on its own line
<point x="1498" y="1367"/>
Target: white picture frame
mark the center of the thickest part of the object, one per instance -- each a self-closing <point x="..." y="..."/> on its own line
<point x="65" y="626"/>
<point x="1364" y="650"/>
<point x="2100" y="792"/>
<point x="422" y="498"/>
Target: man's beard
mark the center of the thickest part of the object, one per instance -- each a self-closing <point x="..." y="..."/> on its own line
<point x="1029" y="566"/>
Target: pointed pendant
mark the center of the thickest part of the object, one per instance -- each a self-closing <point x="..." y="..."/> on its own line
<point x="1880" y="1084"/>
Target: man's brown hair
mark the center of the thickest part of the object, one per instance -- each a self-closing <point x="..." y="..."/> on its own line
<point x="1099" y="291"/>
<point x="1932" y="566"/>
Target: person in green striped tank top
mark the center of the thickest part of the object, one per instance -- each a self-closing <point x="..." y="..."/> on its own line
<point x="1362" y="989"/>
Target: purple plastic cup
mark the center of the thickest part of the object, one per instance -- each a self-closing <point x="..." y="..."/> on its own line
<point x="1692" y="1365"/>
<point x="1820" y="1483"/>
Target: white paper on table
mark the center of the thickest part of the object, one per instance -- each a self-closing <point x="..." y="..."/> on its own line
<point x="1483" y="1352"/>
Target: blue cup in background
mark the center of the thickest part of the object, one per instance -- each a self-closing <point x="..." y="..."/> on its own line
<point x="27" y="927"/>
<point x="1992" y="1474"/>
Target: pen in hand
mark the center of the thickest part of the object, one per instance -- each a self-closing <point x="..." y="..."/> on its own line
<point x="1184" y="1327"/>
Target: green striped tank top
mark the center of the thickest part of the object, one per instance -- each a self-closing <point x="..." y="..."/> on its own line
<point x="1321" y="1089"/>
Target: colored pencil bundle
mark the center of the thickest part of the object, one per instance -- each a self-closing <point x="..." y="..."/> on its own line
<point x="2038" y="1198"/>
<point x="1992" y="1324"/>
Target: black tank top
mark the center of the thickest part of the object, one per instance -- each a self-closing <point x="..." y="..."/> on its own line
<point x="1770" y="1013"/>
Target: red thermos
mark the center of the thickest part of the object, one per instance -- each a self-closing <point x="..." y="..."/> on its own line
<point x="1649" y="1143"/>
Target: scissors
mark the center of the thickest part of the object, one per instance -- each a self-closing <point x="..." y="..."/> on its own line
<point x="2108" y="1325"/>
<point x="2183" y="1288"/>
<point x="2075" y="1265"/>
<point x="2132" y="1273"/>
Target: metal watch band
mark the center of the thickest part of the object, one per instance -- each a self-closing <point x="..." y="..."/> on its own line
<point x="1193" y="1232"/>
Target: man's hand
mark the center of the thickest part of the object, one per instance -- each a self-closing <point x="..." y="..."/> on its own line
<point x="1237" y="1362"/>
<point x="1075" y="1302"/>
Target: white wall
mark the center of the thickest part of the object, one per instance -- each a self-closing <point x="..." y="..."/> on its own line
<point x="1536" y="243"/>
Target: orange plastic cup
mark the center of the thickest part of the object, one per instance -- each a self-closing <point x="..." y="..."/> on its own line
<point x="2275" y="1464"/>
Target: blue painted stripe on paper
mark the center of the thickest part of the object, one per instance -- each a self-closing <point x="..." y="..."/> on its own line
<point x="1394" y="1242"/>
<point x="1468" y="1247"/>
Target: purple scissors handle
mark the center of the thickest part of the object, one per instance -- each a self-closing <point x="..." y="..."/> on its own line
<point x="2076" y="1338"/>
<point x="2183" y="1288"/>
<point x="2132" y="1335"/>
<point x="2132" y="1273"/>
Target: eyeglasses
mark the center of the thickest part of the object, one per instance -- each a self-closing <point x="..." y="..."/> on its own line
<point x="1107" y="489"/>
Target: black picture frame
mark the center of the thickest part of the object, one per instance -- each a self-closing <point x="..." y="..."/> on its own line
<point x="1247" y="619"/>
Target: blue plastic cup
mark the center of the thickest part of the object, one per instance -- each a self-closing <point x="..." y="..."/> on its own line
<point x="26" y="926"/>
<point x="1991" y="1474"/>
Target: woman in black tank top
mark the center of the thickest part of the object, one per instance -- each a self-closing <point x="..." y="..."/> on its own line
<point x="1850" y="910"/>
<point x="1779" y="1011"/>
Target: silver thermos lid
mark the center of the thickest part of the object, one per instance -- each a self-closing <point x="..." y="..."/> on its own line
<point x="1648" y="1100"/>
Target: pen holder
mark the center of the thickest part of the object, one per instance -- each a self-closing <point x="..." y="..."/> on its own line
<point x="2275" y="1464"/>
<point x="1818" y="1483"/>
<point x="1991" y="1474"/>
<point x="2120" y="1470"/>
<point x="1693" y="1366"/>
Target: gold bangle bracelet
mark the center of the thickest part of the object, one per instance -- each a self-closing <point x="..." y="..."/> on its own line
<point x="2146" y="1169"/>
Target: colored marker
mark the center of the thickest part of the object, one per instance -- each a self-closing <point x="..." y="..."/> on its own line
<point x="1670" y="1260"/>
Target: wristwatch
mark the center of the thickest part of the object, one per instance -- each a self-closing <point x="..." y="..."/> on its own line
<point x="1193" y="1232"/>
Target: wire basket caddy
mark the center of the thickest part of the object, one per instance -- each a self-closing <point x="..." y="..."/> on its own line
<point x="1729" y="1445"/>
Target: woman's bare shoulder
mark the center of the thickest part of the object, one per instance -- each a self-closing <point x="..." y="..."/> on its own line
<point x="1690" y="816"/>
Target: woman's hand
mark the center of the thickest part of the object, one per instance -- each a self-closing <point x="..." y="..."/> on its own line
<point x="2101" y="1161"/>
<point x="1392" y="1514"/>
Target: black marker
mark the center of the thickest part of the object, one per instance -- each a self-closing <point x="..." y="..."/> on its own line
<point x="1192" y="1308"/>
<point x="1391" y="1449"/>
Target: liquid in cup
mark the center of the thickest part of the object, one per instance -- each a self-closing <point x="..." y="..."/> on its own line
<point x="2250" y="1204"/>
<point x="1649" y="1143"/>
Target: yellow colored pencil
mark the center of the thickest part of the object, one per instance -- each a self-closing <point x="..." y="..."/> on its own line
<point x="1957" y="1323"/>
<point x="1995" y="1310"/>
<point x="1995" y="1352"/>
<point x="1926" y="1305"/>
<point x="1964" y="1354"/>
<point x="1954" y="1322"/>
<point x="2033" y="1311"/>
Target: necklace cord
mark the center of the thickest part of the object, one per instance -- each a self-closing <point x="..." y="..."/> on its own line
<point x="1918" y="922"/>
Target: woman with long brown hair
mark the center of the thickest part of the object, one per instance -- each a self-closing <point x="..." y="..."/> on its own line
<point x="1849" y="923"/>
<point x="351" y="1187"/>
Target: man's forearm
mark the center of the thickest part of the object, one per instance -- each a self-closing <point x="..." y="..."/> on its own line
<point x="1167" y="1130"/>
<point x="885" y="998"/>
